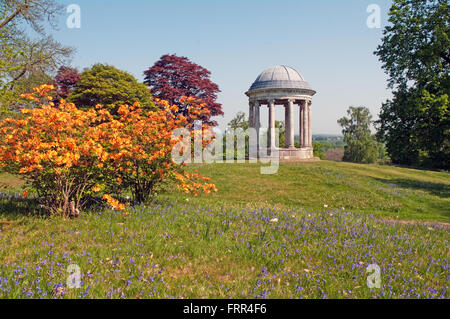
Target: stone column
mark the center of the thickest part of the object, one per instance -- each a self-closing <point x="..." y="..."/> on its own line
<point x="286" y="125"/>
<point x="250" y="114"/>
<point x="309" y="125"/>
<point x="256" y="122"/>
<point x="272" y="124"/>
<point x="305" y="124"/>
<point x="290" y="120"/>
<point x="301" y="133"/>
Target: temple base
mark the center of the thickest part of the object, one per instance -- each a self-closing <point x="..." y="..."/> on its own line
<point x="290" y="154"/>
<point x="296" y="153"/>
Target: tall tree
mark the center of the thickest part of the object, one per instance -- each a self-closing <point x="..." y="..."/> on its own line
<point x="34" y="12"/>
<point x="239" y="121"/>
<point x="66" y="80"/>
<point x="110" y="87"/>
<point x="415" y="52"/>
<point x="43" y="56"/>
<point x="27" y="61"/>
<point x="173" y="77"/>
<point x="361" y="146"/>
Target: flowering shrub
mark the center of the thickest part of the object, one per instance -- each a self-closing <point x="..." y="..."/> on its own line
<point x="66" y="153"/>
<point x="138" y="149"/>
<point x="47" y="146"/>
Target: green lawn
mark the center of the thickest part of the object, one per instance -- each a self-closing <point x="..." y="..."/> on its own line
<point x="384" y="191"/>
<point x="9" y="182"/>
<point x="258" y="237"/>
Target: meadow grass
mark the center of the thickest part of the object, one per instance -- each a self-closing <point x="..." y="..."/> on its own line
<point x="258" y="237"/>
<point x="177" y="250"/>
<point x="384" y="191"/>
<point x="9" y="182"/>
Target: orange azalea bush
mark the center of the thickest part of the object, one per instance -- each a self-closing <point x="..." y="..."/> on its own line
<point x="66" y="153"/>
<point x="47" y="147"/>
<point x="139" y="148"/>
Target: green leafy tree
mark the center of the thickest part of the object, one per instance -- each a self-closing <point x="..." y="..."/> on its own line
<point x="110" y="87"/>
<point x="239" y="121"/>
<point x="415" y="52"/>
<point x="27" y="60"/>
<point x="321" y="146"/>
<point x="361" y="146"/>
<point x="319" y="150"/>
<point x="34" y="12"/>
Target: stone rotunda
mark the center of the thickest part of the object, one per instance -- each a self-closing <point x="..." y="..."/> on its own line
<point x="282" y="85"/>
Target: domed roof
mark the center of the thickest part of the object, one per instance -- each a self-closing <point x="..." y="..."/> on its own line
<point x="280" y="77"/>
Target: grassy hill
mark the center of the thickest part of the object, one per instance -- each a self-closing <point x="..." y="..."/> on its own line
<point x="385" y="191"/>
<point x="258" y="237"/>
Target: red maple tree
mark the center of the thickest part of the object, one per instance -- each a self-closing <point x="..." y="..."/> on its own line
<point x="173" y="77"/>
<point x="66" y="79"/>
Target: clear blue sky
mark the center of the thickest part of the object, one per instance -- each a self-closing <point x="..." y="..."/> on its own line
<point x="327" y="41"/>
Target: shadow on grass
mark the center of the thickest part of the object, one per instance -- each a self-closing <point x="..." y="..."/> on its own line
<point x="419" y="168"/>
<point x="436" y="189"/>
<point x="14" y="206"/>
